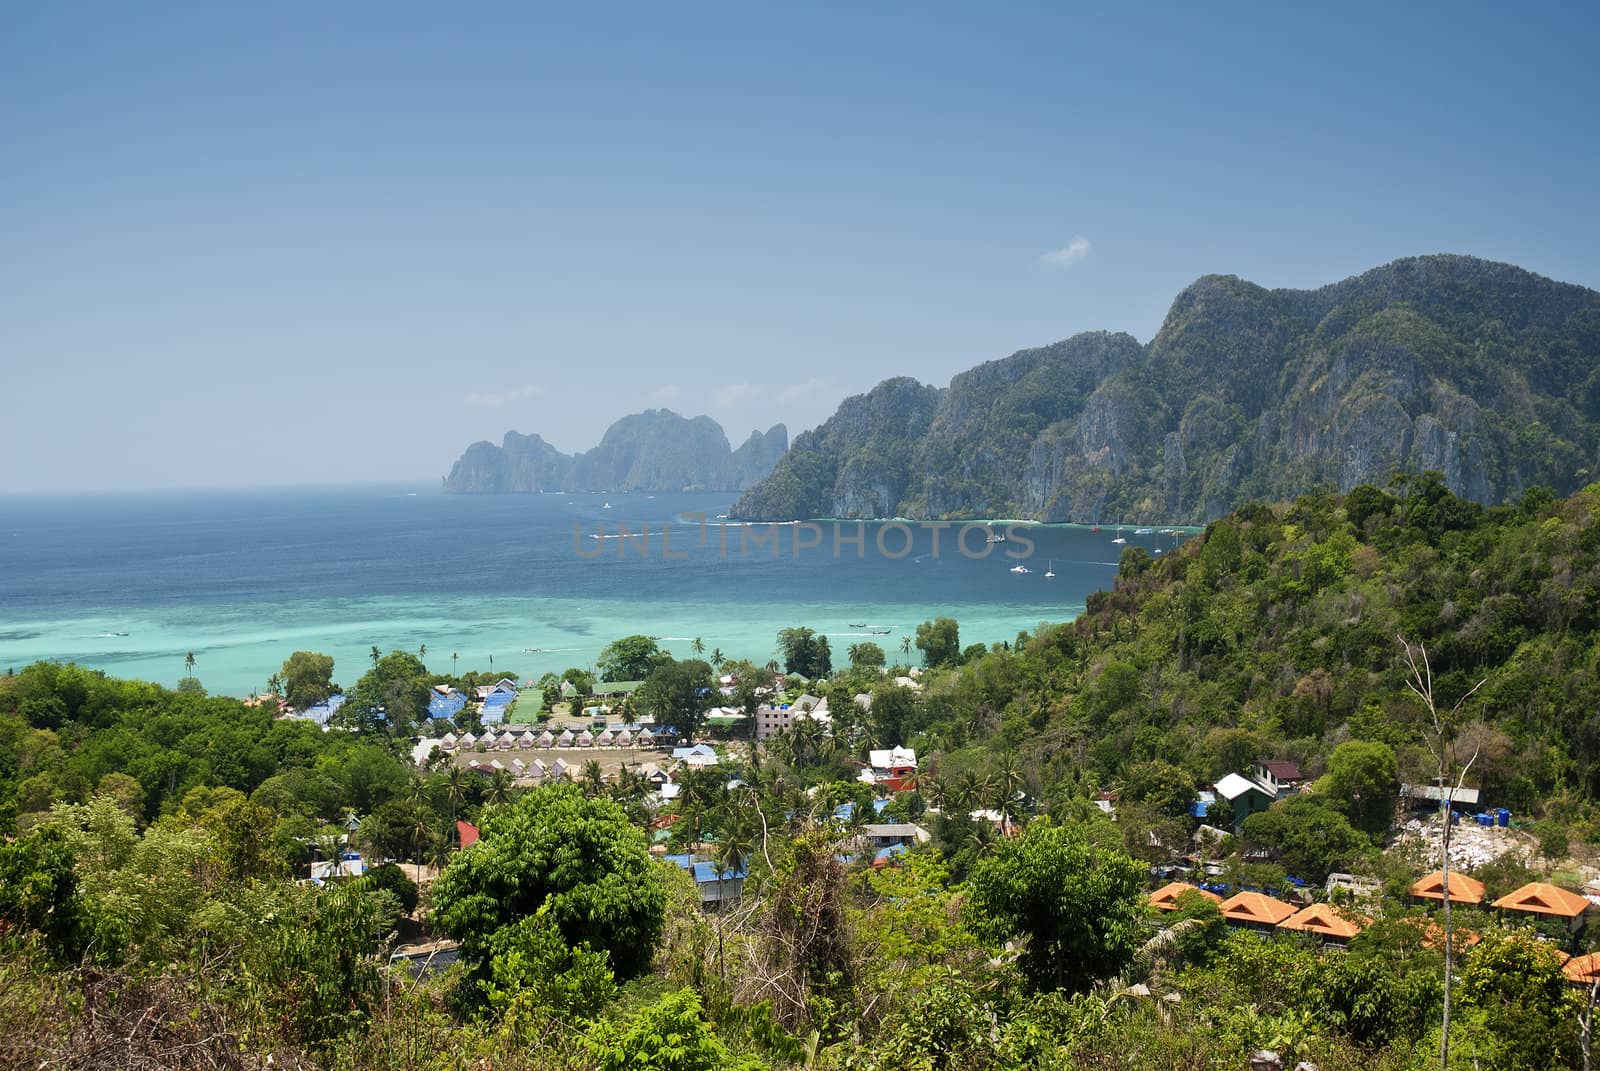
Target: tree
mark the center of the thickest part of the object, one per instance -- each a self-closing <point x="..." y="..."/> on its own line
<point x="893" y="714"/>
<point x="669" y="1035"/>
<point x="1519" y="1005"/>
<point x="530" y="963"/>
<point x="678" y="694"/>
<point x="577" y="858"/>
<point x="393" y="691"/>
<point x="1169" y="789"/>
<point x="939" y="641"/>
<point x="39" y="892"/>
<point x="188" y="664"/>
<point x="1362" y="781"/>
<point x="698" y="646"/>
<point x="1442" y="745"/>
<point x="866" y="655"/>
<point x="1308" y="836"/>
<point x="630" y="658"/>
<point x="805" y="652"/>
<point x="1078" y="905"/>
<point x="307" y="678"/>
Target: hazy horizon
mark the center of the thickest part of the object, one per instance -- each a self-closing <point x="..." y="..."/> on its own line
<point x="249" y="250"/>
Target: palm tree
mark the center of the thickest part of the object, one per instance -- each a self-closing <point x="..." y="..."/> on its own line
<point x="500" y="787"/>
<point x="593" y="779"/>
<point x="417" y="791"/>
<point x="374" y="654"/>
<point x="421" y="830"/>
<point x="188" y="664"/>
<point x="698" y="646"/>
<point x="905" y="647"/>
<point x="439" y="850"/>
<point x="735" y="845"/>
<point x="972" y="789"/>
<point x="455" y="790"/>
<point x="422" y="651"/>
<point x="453" y="657"/>
<point x="717" y="658"/>
<point x="1008" y="779"/>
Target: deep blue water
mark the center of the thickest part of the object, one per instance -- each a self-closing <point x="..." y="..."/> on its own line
<point x="244" y="577"/>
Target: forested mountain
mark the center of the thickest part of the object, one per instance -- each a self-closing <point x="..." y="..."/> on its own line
<point x="1482" y="371"/>
<point x="656" y="450"/>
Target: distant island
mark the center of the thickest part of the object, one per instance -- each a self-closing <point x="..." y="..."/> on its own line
<point x="1481" y="371"/>
<point x="656" y="450"/>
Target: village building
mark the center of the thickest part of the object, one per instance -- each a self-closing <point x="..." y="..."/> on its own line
<point x="1463" y="889"/>
<point x="1278" y="776"/>
<point x="1245" y="796"/>
<point x="890" y="769"/>
<point x="1333" y="926"/>
<point x="1166" y="897"/>
<point x="1255" y="911"/>
<point x="1543" y="899"/>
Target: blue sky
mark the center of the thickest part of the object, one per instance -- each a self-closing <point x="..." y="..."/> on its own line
<point x="328" y="243"/>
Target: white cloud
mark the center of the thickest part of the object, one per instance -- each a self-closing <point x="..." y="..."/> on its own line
<point x="794" y="392"/>
<point x="733" y="395"/>
<point x="1069" y="254"/>
<point x="662" y="394"/>
<point x="494" y="399"/>
<point x="738" y="395"/>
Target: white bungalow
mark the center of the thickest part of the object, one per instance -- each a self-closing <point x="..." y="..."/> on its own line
<point x="623" y="738"/>
<point x="466" y="741"/>
<point x="565" y="739"/>
<point x="557" y="771"/>
<point x="606" y="738"/>
<point x="525" y="740"/>
<point x="506" y="742"/>
<point x="585" y="739"/>
<point x="448" y="743"/>
<point x="547" y="739"/>
<point x="646" y="738"/>
<point x="538" y="769"/>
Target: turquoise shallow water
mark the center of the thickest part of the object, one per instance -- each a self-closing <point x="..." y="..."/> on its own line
<point x="130" y="583"/>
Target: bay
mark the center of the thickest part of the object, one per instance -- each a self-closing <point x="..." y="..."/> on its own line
<point x="132" y="582"/>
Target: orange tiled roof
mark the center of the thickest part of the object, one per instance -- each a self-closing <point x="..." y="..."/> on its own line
<point x="1166" y="897"/>
<point x="1326" y="920"/>
<point x="1582" y="969"/>
<point x="1542" y="898"/>
<point x="1432" y="933"/>
<point x="1463" y="890"/>
<point x="1255" y="907"/>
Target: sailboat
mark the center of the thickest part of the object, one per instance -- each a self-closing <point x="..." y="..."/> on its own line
<point x="1050" y="570"/>
<point x="1020" y="568"/>
<point x="1119" y="538"/>
<point x="995" y="537"/>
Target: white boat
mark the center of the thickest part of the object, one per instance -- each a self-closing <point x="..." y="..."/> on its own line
<point x="995" y="537"/>
<point x="606" y="506"/>
<point x="1119" y="539"/>
<point x="1050" y="570"/>
<point x="1144" y="531"/>
<point x="1020" y="569"/>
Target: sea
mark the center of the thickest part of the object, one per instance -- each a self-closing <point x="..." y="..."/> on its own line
<point x="132" y="583"/>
